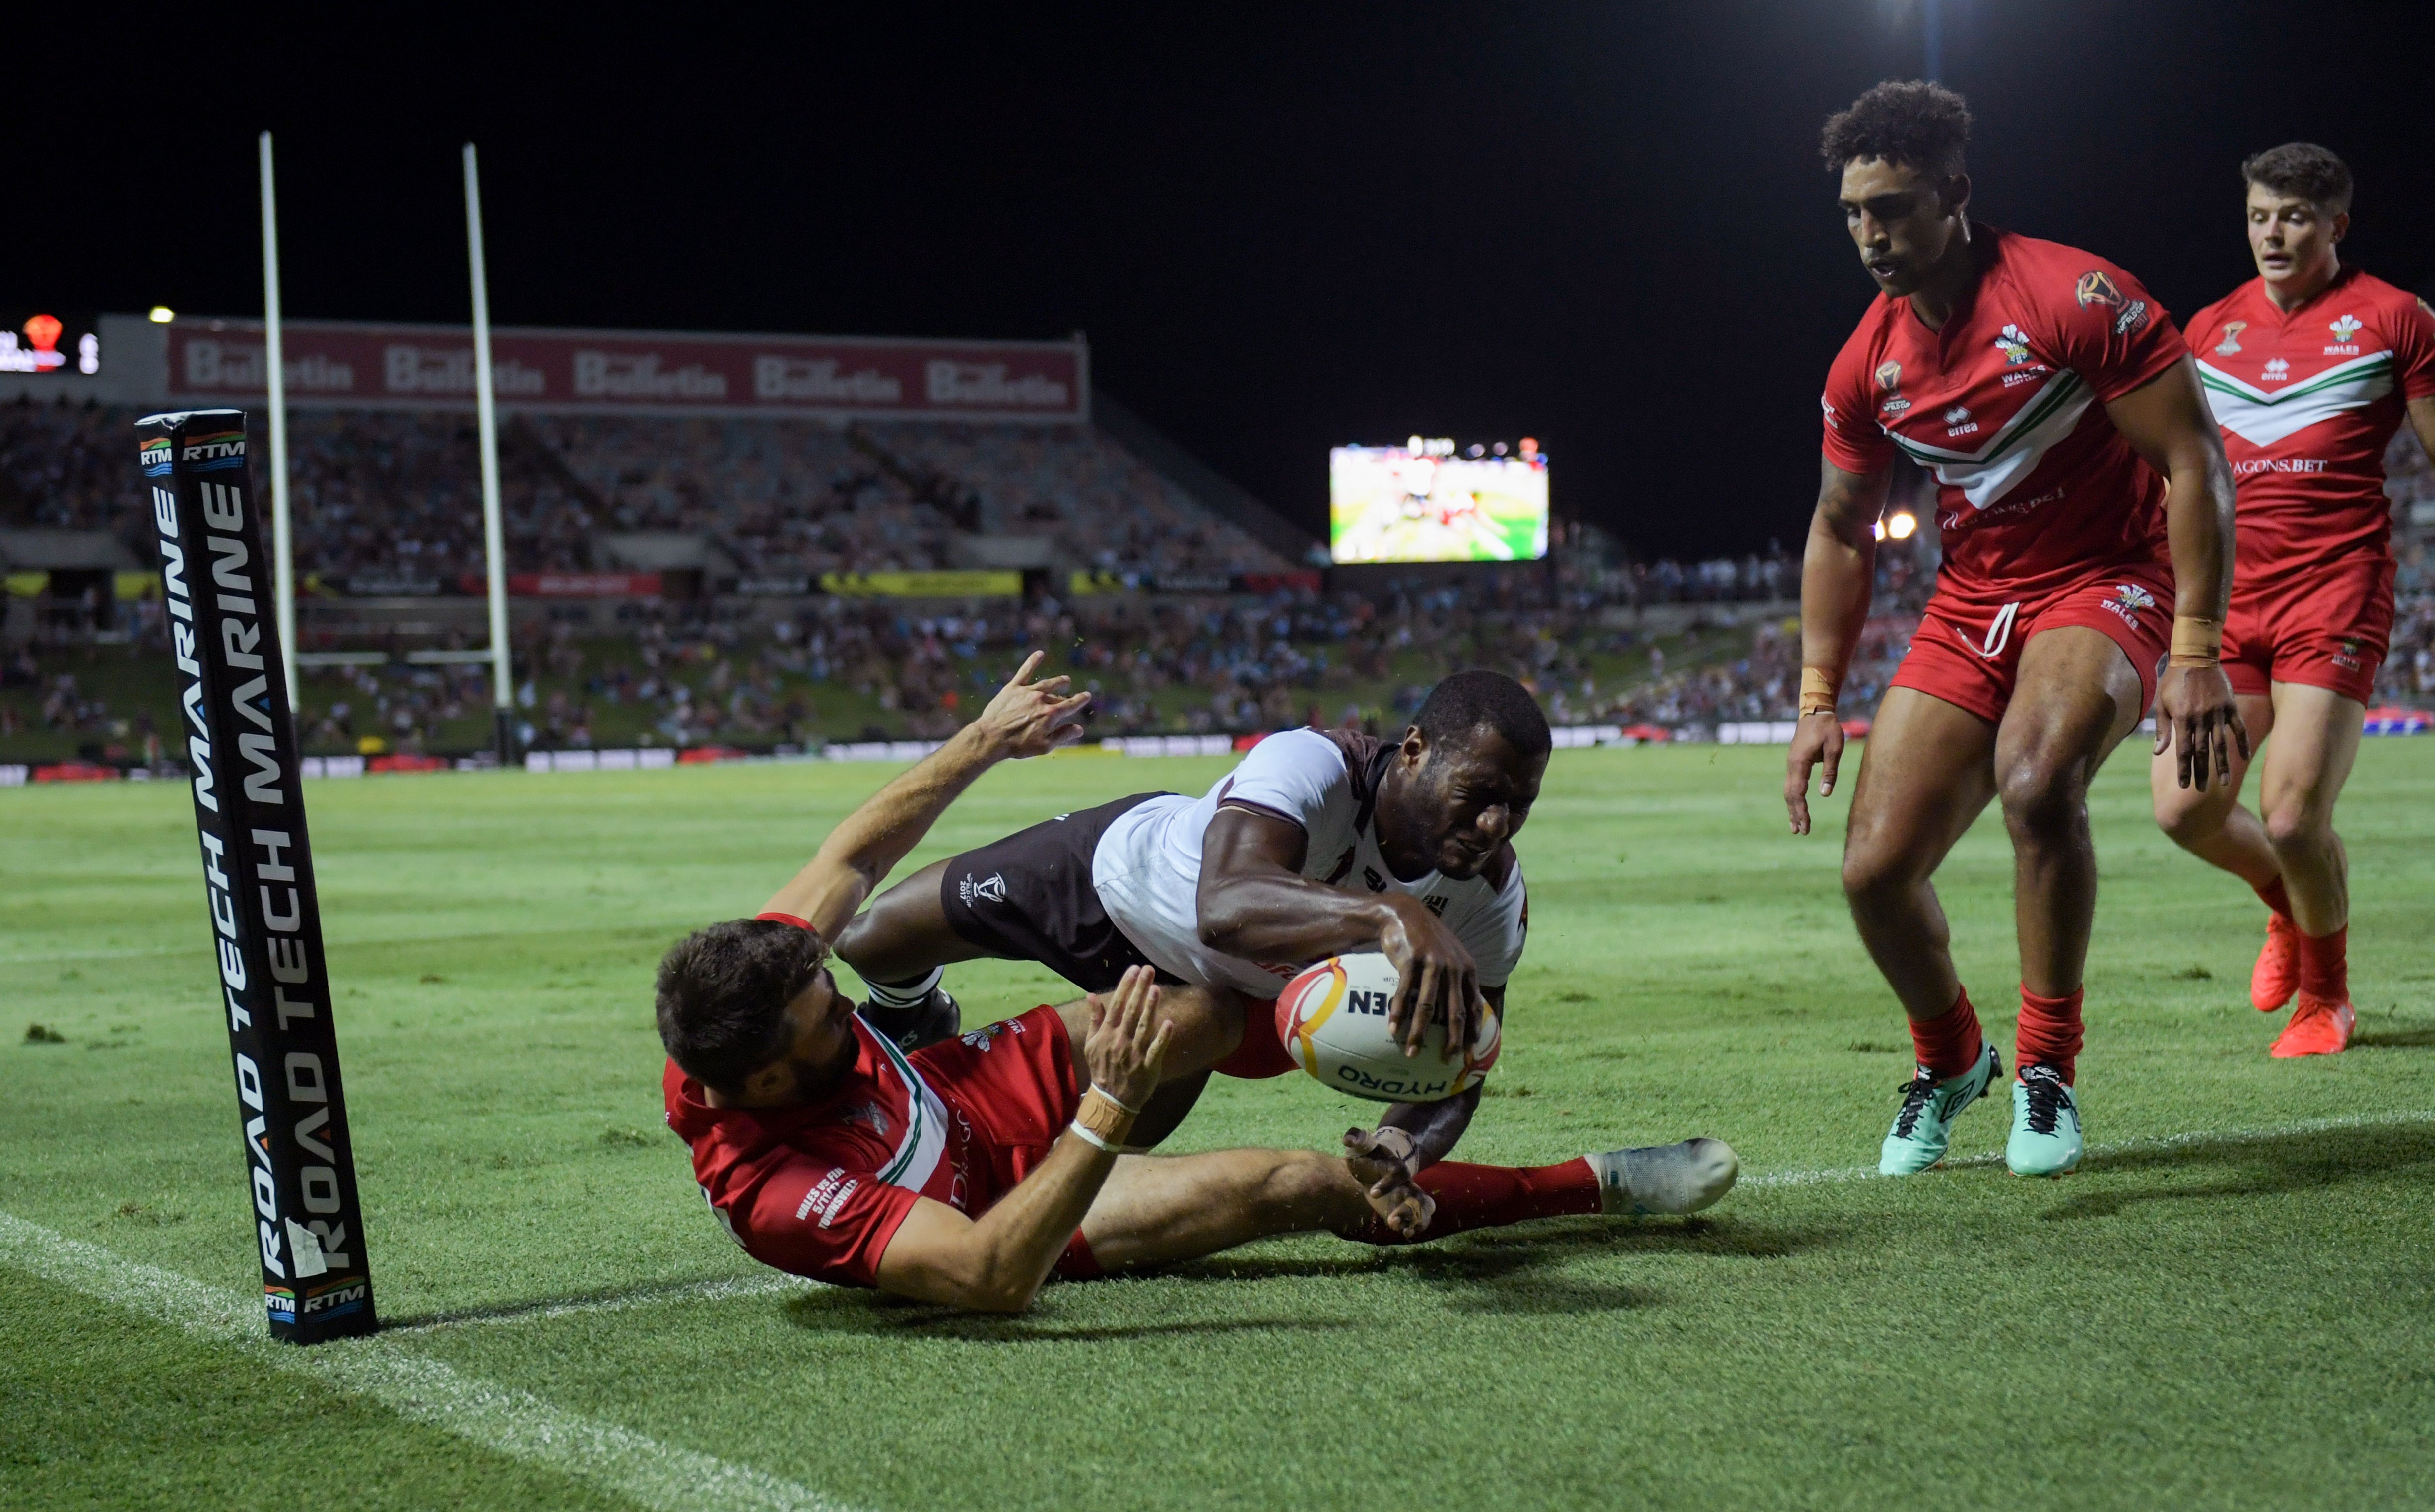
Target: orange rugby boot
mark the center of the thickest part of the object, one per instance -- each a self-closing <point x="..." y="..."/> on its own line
<point x="2318" y="1028"/>
<point x="2277" y="973"/>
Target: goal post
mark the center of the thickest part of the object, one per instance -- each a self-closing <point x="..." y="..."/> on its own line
<point x="270" y="977"/>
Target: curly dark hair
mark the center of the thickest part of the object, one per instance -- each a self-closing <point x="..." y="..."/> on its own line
<point x="723" y="993"/>
<point x="1918" y="125"/>
<point x="2305" y="171"/>
<point x="1480" y="700"/>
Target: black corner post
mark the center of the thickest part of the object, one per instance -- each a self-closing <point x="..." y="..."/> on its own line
<point x="272" y="981"/>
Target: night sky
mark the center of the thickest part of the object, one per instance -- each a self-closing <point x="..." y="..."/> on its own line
<point x="1604" y="225"/>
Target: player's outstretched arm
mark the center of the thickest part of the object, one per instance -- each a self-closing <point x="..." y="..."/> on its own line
<point x="2166" y="421"/>
<point x="1026" y="718"/>
<point x="1837" y="573"/>
<point x="1255" y="903"/>
<point x="998" y="1262"/>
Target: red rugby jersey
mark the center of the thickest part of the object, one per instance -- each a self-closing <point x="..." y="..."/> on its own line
<point x="820" y="1188"/>
<point x="2308" y="401"/>
<point x="2036" y="489"/>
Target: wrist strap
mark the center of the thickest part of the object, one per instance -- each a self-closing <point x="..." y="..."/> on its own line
<point x="1093" y="1140"/>
<point x="1818" y="691"/>
<point x="1102" y="1120"/>
<point x="2197" y="643"/>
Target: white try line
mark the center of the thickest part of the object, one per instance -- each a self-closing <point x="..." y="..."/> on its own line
<point x="711" y="1291"/>
<point x="2164" y="1142"/>
<point x="499" y="1418"/>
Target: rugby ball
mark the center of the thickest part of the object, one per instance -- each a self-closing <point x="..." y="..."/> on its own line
<point x="1332" y="1021"/>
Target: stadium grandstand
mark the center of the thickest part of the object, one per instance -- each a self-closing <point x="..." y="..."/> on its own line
<point x="780" y="582"/>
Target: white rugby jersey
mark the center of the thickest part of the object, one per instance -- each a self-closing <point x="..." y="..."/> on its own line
<point x="1147" y="868"/>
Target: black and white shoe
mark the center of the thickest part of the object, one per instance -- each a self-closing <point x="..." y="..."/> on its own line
<point x="926" y="1023"/>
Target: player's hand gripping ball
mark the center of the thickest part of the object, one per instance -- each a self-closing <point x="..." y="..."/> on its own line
<point x="1333" y="1021"/>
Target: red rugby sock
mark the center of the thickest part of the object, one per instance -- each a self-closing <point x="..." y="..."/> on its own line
<point x="2324" y="966"/>
<point x="1491" y="1197"/>
<point x="2275" y="898"/>
<point x="2047" y="1034"/>
<point x="1949" y="1045"/>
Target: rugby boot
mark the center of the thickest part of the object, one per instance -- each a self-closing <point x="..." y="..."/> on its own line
<point x="926" y="1023"/>
<point x="2276" y="976"/>
<point x="2318" y="1028"/>
<point x="1924" y="1125"/>
<point x="2045" y="1124"/>
<point x="1665" y="1179"/>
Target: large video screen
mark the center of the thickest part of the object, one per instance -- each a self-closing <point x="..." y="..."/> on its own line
<point x="1424" y="500"/>
<point x="37" y="343"/>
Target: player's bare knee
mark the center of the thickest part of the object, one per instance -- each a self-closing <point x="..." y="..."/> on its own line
<point x="2043" y="800"/>
<point x="1876" y="876"/>
<point x="2296" y="828"/>
<point x="2187" y="818"/>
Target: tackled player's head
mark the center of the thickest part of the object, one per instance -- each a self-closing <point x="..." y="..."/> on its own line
<point x="749" y="1009"/>
<point x="1905" y="185"/>
<point x="2298" y="209"/>
<point x="1465" y="779"/>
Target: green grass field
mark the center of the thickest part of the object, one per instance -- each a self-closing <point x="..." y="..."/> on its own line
<point x="2227" y="1306"/>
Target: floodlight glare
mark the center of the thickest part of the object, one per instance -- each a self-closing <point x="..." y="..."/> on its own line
<point x="163" y="315"/>
<point x="1901" y="524"/>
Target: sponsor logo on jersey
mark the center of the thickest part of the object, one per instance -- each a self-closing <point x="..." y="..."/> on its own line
<point x="1958" y="421"/>
<point x="2231" y="342"/>
<point x="1828" y="406"/>
<point x="1370" y="876"/>
<point x="991" y="888"/>
<point x="2095" y="288"/>
<point x="2014" y="344"/>
<point x="2348" y="656"/>
<point x="2277" y="369"/>
<point x="1435" y="905"/>
<point x="2343" y="330"/>
<point x="2277" y="464"/>
<point x="1889" y="379"/>
<point x="2128" y="600"/>
<point x="868" y="1114"/>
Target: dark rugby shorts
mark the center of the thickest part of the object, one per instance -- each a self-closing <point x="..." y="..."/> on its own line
<point x="1028" y="897"/>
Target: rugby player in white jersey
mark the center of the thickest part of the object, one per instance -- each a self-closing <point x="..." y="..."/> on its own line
<point x="1316" y="845"/>
<point x="970" y="1171"/>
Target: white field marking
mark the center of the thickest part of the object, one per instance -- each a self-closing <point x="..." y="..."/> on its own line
<point x="2197" y="1138"/>
<point x="418" y="1388"/>
<point x="710" y="1291"/>
<point x="203" y="945"/>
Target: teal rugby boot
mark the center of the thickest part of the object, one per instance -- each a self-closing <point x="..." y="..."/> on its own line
<point x="1925" y="1124"/>
<point x="2045" y="1124"/>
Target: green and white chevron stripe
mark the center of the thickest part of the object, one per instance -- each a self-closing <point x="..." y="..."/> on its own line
<point x="2261" y="418"/>
<point x="2016" y="448"/>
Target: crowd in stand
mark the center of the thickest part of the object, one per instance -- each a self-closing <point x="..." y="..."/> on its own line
<point x="385" y="496"/>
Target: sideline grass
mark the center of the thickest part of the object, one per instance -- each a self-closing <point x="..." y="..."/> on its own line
<point x="2236" y="1322"/>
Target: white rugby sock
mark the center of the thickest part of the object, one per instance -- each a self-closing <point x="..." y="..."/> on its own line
<point x="906" y="994"/>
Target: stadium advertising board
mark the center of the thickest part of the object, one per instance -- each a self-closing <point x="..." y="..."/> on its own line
<point x="269" y="975"/>
<point x="346" y="365"/>
<point x="1424" y="502"/>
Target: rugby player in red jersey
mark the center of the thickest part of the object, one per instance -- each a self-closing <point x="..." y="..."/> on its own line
<point x="968" y="1171"/>
<point x="2053" y="399"/>
<point x="2309" y="367"/>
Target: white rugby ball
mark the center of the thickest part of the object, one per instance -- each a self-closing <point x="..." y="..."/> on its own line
<point x="1333" y="1021"/>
